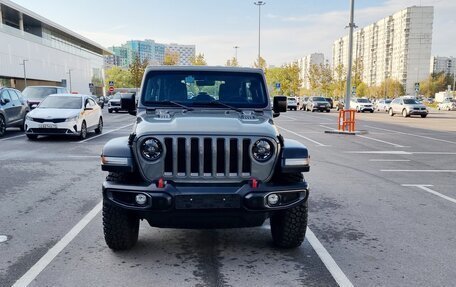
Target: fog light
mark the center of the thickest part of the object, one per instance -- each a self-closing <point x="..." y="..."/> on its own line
<point x="273" y="199"/>
<point x="141" y="199"/>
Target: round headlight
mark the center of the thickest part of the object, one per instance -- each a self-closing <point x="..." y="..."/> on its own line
<point x="151" y="149"/>
<point x="262" y="150"/>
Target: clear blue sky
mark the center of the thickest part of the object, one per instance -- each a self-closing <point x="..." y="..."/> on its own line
<point x="290" y="28"/>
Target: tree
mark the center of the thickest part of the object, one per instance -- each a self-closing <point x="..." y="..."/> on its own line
<point x="389" y="88"/>
<point x="198" y="60"/>
<point x="362" y="90"/>
<point x="288" y="77"/>
<point x="260" y="63"/>
<point x="120" y="77"/>
<point x="436" y="82"/>
<point x="136" y="69"/>
<point x="321" y="79"/>
<point x="358" y="69"/>
<point x="339" y="81"/>
<point x="233" y="62"/>
<point x="171" y="58"/>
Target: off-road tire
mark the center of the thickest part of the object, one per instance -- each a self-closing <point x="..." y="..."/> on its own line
<point x="288" y="227"/>
<point x="120" y="227"/>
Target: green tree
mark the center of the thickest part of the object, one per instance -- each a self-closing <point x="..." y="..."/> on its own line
<point x="198" y="60"/>
<point x="171" y="58"/>
<point x="339" y="81"/>
<point x="321" y="79"/>
<point x="120" y="77"/>
<point x="260" y="63"/>
<point x="362" y="90"/>
<point x="136" y="69"/>
<point x="288" y="77"/>
<point x="437" y="82"/>
<point x="233" y="62"/>
<point x="389" y="88"/>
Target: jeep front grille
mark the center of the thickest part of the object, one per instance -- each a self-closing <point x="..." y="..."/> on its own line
<point x="208" y="157"/>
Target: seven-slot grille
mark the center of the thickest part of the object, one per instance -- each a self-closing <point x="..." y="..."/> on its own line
<point x="215" y="157"/>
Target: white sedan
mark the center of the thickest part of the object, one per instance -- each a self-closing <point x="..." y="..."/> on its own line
<point x="447" y="104"/>
<point x="64" y="114"/>
<point x="382" y="105"/>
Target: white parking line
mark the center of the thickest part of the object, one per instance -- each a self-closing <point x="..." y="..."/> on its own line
<point x="47" y="258"/>
<point x="394" y="152"/>
<point x="426" y="188"/>
<point x="306" y="138"/>
<point x="291" y="118"/>
<point x="97" y="136"/>
<point x="5" y="139"/>
<point x="388" y="160"/>
<point x="381" y="141"/>
<point x="330" y="264"/>
<point x="420" y="170"/>
<point x="414" y="135"/>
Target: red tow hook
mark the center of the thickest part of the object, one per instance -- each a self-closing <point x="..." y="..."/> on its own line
<point x="254" y="183"/>
<point x="161" y="183"/>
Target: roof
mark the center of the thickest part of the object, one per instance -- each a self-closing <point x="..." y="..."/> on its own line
<point x="204" y="68"/>
<point x="54" y="25"/>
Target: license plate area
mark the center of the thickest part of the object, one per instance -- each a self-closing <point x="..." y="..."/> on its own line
<point x="48" y="126"/>
<point x="208" y="201"/>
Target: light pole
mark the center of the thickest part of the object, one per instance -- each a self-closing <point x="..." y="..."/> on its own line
<point x="259" y="4"/>
<point x="69" y="77"/>
<point x="25" y="73"/>
<point x="235" y="52"/>
<point x="352" y="26"/>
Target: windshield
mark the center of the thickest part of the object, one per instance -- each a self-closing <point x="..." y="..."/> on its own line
<point x="193" y="88"/>
<point x="363" y="101"/>
<point x="64" y="102"/>
<point x="388" y="101"/>
<point x="410" y="102"/>
<point x="38" y="92"/>
<point x="318" y="99"/>
<point x="118" y="96"/>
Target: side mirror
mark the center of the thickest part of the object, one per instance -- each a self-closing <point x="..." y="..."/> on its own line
<point x="280" y="104"/>
<point x="88" y="109"/>
<point x="128" y="103"/>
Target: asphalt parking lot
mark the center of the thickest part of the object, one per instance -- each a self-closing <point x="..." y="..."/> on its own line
<point x="382" y="213"/>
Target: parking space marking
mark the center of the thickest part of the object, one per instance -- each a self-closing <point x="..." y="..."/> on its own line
<point x="390" y="160"/>
<point x="47" y="258"/>
<point x="426" y="188"/>
<point x="5" y="139"/>
<point x="414" y="135"/>
<point x="329" y="262"/>
<point x="291" y="118"/>
<point x="390" y="152"/>
<point x="381" y="141"/>
<point x="306" y="138"/>
<point x="103" y="134"/>
<point x="420" y="170"/>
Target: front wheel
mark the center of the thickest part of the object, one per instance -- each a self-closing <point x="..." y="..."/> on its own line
<point x="99" y="128"/>
<point x="404" y="113"/>
<point x="288" y="227"/>
<point x="110" y="111"/>
<point x="2" y="126"/>
<point x="83" y="134"/>
<point x="32" y="137"/>
<point x="119" y="227"/>
<point x="390" y="112"/>
<point x="423" y="116"/>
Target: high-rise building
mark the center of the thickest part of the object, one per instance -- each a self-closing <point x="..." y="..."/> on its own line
<point x="186" y="52"/>
<point x="151" y="51"/>
<point x="397" y="47"/>
<point x="305" y="63"/>
<point x="443" y="64"/>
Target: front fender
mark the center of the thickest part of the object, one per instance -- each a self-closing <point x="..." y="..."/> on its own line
<point x="116" y="156"/>
<point x="294" y="157"/>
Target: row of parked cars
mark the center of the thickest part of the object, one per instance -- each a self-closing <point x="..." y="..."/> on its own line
<point x="47" y="110"/>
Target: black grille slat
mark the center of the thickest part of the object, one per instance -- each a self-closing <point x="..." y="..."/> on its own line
<point x="55" y="121"/>
<point x="206" y="157"/>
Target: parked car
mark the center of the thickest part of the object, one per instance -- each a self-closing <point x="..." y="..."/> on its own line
<point x="304" y="103"/>
<point x="362" y="105"/>
<point x="35" y="94"/>
<point x="292" y="103"/>
<point x="13" y="109"/>
<point x="382" y="105"/>
<point x="407" y="107"/>
<point x="447" y="104"/>
<point x="330" y="101"/>
<point x="114" y="102"/>
<point x="64" y="114"/>
<point x="317" y="104"/>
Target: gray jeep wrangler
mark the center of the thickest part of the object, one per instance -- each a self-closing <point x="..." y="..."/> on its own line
<point x="204" y="153"/>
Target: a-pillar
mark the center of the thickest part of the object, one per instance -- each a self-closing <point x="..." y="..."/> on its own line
<point x="21" y="21"/>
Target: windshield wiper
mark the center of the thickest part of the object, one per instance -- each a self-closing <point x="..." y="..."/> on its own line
<point x="218" y="103"/>
<point x="171" y="103"/>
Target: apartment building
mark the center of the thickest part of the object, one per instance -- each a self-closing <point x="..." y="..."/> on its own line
<point x="305" y="63"/>
<point x="443" y="64"/>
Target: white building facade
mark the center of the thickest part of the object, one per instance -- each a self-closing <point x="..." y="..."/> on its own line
<point x="443" y="64"/>
<point x="397" y="47"/>
<point x="186" y="52"/>
<point x="305" y="63"/>
<point x="52" y="54"/>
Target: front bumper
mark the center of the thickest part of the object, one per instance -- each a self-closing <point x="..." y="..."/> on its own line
<point x="49" y="128"/>
<point x="190" y="203"/>
<point x="363" y="109"/>
<point x="418" y="112"/>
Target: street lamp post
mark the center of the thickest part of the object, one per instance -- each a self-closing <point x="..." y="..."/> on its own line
<point x="352" y="26"/>
<point x="25" y="73"/>
<point x="69" y="77"/>
<point x="235" y="52"/>
<point x="259" y="4"/>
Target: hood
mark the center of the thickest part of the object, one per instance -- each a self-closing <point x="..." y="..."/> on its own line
<point x="415" y="105"/>
<point x="54" y="113"/>
<point x="204" y="122"/>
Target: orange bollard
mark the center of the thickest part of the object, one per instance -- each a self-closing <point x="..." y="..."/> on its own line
<point x="346" y="124"/>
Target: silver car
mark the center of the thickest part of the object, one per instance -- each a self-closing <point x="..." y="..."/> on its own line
<point x="407" y="107"/>
<point x="382" y="105"/>
<point x="448" y="104"/>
